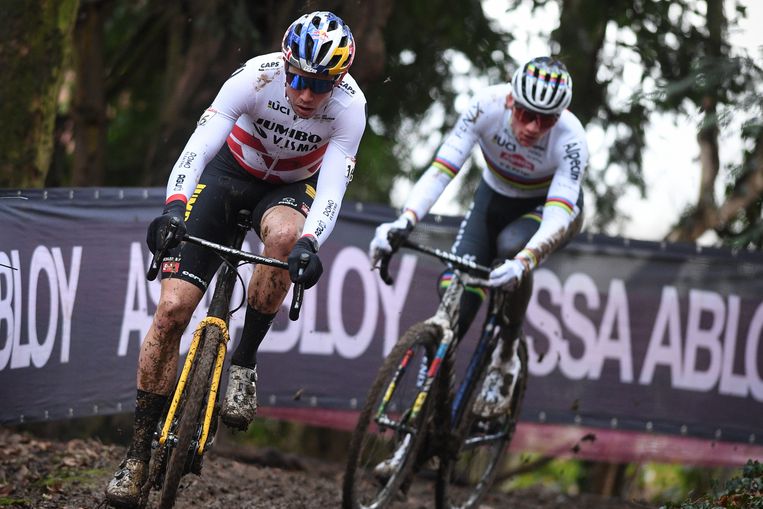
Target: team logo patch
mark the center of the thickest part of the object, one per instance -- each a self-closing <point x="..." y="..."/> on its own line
<point x="305" y="208"/>
<point x="170" y="267"/>
<point x="288" y="201"/>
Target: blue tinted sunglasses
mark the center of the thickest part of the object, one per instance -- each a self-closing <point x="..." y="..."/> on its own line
<point x="318" y="86"/>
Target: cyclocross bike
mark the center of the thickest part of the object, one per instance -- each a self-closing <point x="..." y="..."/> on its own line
<point x="188" y="426"/>
<point x="415" y="418"/>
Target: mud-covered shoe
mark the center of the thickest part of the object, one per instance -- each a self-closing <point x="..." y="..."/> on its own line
<point x="495" y="397"/>
<point x="123" y="491"/>
<point x="240" y="403"/>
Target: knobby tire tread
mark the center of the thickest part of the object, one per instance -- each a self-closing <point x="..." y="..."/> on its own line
<point x="418" y="333"/>
<point x="196" y="391"/>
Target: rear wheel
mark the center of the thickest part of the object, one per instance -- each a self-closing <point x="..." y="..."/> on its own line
<point x="465" y="476"/>
<point x="189" y="417"/>
<point x="388" y="436"/>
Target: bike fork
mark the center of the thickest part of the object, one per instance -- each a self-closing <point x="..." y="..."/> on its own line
<point x="212" y="398"/>
<point x="426" y="379"/>
<point x="434" y="369"/>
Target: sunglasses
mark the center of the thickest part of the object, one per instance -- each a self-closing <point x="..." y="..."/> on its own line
<point x="298" y="82"/>
<point x="526" y="116"/>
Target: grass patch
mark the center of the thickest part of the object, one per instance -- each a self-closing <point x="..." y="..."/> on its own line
<point x="10" y="502"/>
<point x="65" y="477"/>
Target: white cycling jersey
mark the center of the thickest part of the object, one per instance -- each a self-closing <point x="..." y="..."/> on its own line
<point x="252" y="114"/>
<point x="553" y="167"/>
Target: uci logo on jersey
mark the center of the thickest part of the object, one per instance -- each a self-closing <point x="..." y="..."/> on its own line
<point x="504" y="143"/>
<point x="277" y="106"/>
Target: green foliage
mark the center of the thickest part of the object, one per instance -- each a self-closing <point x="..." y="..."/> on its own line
<point x="661" y="483"/>
<point x="157" y="84"/>
<point x="147" y="51"/>
<point x="417" y="74"/>
<point x="415" y="83"/>
<point x="377" y="168"/>
<point x="742" y="492"/>
<point x="14" y="502"/>
<point x="291" y="437"/>
<point x="561" y="475"/>
<point x="682" y="50"/>
<point x="63" y="477"/>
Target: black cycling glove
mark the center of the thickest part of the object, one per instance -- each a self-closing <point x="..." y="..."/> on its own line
<point x="157" y="230"/>
<point x="314" y="268"/>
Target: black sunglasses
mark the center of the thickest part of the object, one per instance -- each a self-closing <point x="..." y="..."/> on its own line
<point x="298" y="82"/>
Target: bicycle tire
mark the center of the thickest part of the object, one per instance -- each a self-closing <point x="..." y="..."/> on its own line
<point x="191" y="415"/>
<point x="372" y="443"/>
<point x="466" y="476"/>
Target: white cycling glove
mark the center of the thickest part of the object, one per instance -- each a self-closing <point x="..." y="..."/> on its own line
<point x="388" y="235"/>
<point x="508" y="274"/>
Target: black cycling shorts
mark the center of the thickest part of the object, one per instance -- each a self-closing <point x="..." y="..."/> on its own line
<point x="223" y="190"/>
<point x="497" y="227"/>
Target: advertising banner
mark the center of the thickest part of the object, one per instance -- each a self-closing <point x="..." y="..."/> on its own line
<point x="624" y="335"/>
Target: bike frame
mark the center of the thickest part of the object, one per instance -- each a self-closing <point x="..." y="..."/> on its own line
<point x="217" y="316"/>
<point x="446" y="321"/>
<point x="415" y="429"/>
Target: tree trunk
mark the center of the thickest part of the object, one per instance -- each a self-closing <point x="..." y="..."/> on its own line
<point x="705" y="214"/>
<point x="368" y="25"/>
<point x="34" y="43"/>
<point x="206" y="38"/>
<point x="89" y="109"/>
<point x="606" y="479"/>
<point x="580" y="39"/>
<point x="747" y="189"/>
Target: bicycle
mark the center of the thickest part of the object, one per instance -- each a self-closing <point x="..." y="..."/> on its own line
<point x="413" y="417"/>
<point x="188" y="426"/>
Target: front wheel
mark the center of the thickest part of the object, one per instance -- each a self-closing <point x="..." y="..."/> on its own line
<point x="189" y="417"/>
<point x="465" y="477"/>
<point x="392" y="426"/>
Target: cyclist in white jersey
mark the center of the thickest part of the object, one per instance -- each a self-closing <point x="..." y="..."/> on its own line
<point x="529" y="202"/>
<point x="279" y="139"/>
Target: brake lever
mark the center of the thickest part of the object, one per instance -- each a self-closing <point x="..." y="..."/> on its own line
<point x="299" y="289"/>
<point x="384" y="269"/>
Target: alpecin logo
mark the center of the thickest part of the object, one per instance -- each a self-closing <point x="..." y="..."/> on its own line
<point x="572" y="153"/>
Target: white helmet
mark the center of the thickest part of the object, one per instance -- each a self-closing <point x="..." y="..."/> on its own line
<point x="542" y="85"/>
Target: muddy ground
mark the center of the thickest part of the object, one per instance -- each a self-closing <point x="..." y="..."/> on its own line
<point x="42" y="473"/>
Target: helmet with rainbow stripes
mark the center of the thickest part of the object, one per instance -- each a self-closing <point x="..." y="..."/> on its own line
<point x="542" y="85"/>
